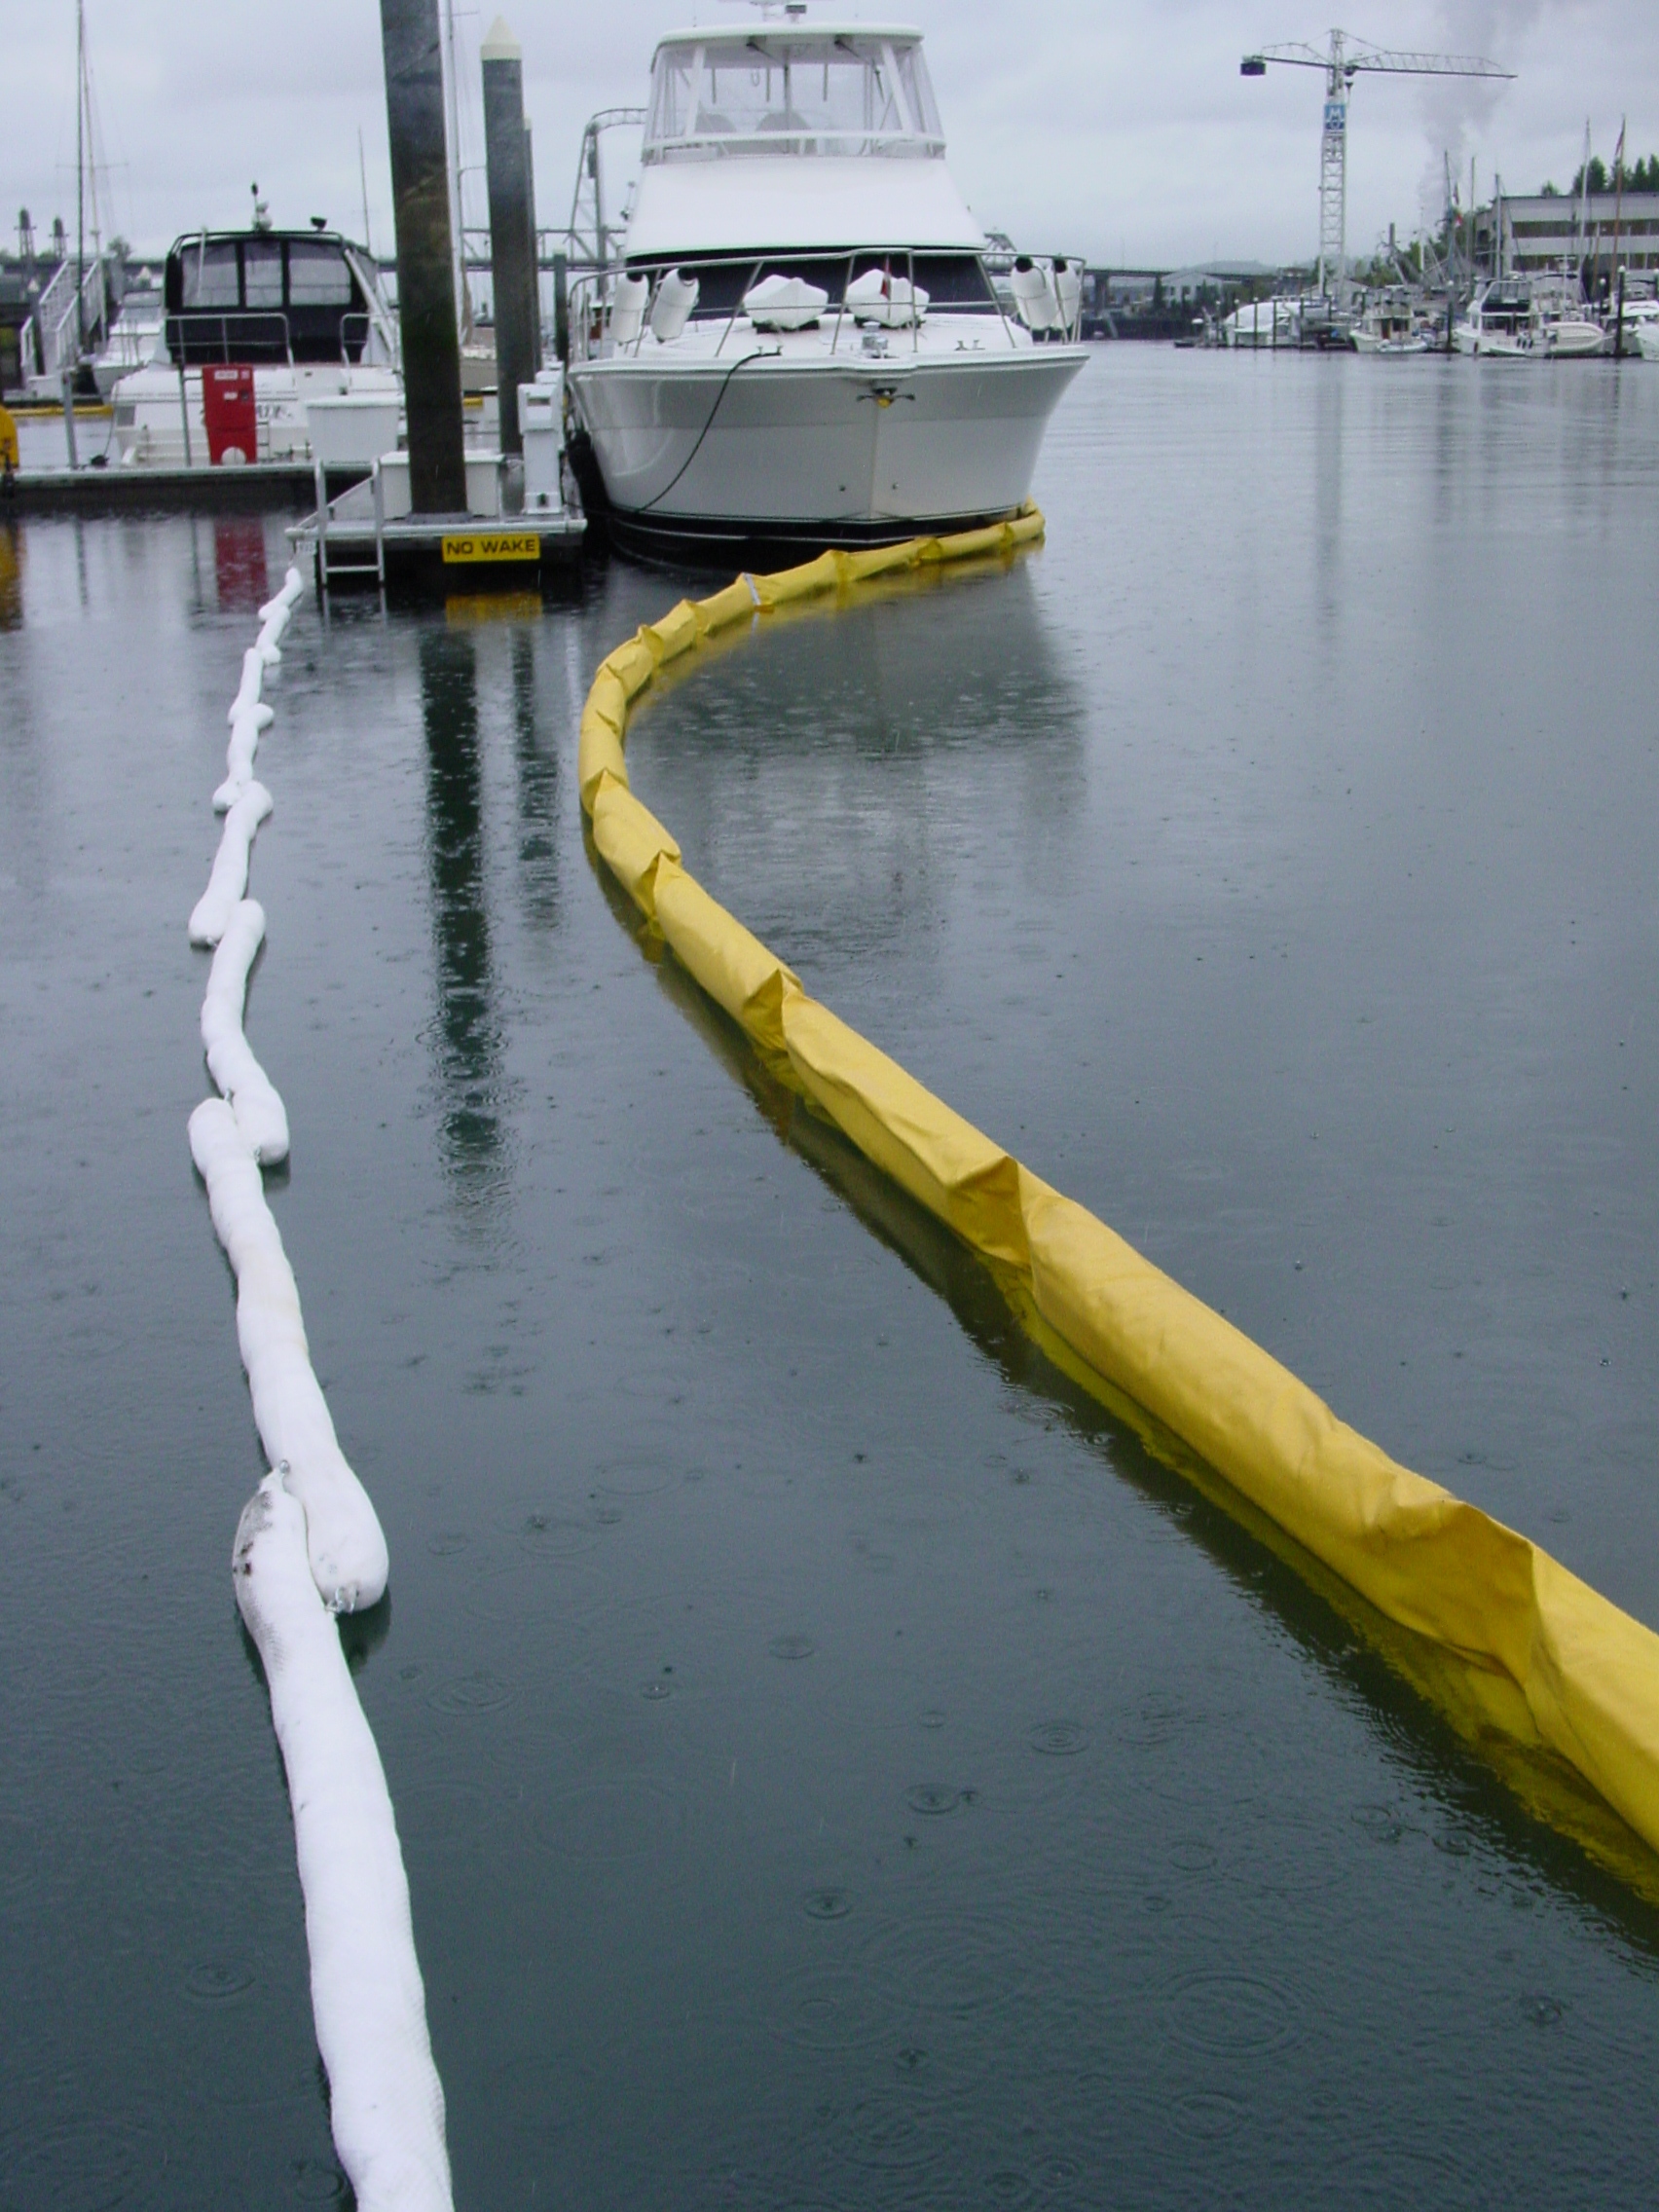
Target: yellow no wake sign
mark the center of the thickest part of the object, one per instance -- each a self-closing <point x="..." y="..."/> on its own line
<point x="492" y="545"/>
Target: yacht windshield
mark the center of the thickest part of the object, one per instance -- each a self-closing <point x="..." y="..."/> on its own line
<point x="792" y="93"/>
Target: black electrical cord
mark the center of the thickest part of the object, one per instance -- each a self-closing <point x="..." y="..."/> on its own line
<point x="760" y="354"/>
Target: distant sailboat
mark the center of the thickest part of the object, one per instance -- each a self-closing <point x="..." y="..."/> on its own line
<point x="73" y="312"/>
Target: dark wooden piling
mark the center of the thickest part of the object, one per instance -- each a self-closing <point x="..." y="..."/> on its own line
<point x="513" y="237"/>
<point x="425" y="267"/>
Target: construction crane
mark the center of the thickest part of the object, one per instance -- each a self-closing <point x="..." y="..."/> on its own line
<point x="1342" y="64"/>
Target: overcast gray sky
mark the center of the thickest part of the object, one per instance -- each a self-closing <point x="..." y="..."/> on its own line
<point x="1124" y="130"/>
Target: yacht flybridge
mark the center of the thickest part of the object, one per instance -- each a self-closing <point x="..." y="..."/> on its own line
<point x="800" y="341"/>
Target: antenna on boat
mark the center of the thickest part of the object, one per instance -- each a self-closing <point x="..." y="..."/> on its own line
<point x="770" y="9"/>
<point x="363" y="177"/>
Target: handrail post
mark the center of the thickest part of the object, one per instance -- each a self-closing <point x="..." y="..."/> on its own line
<point x="841" y="304"/>
<point x="380" y="524"/>
<point x="66" y="385"/>
<point x="184" y="399"/>
<point x="321" y="527"/>
<point x="731" y="324"/>
<point x="996" y="299"/>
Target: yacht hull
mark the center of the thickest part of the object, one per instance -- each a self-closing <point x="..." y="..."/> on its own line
<point x="1574" y="339"/>
<point x="767" y="447"/>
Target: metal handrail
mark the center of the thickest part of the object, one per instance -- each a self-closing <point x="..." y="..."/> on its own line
<point x="176" y="329"/>
<point x="57" y="334"/>
<point x="884" y="144"/>
<point x="590" y="303"/>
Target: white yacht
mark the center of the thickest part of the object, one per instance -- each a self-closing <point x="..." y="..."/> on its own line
<point x="1566" y="329"/>
<point x="1512" y="321"/>
<point x="801" y="343"/>
<point x="301" y="311"/>
<point x="1262" y="325"/>
<point x="1640" y="315"/>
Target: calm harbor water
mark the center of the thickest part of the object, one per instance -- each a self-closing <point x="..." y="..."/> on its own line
<point x="836" y="1765"/>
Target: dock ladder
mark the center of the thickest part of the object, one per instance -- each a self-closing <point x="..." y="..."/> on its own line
<point x="327" y="570"/>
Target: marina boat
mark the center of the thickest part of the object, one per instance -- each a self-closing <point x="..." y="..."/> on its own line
<point x="1567" y="330"/>
<point x="1269" y="324"/>
<point x="302" y="314"/>
<point x="1512" y="321"/>
<point x="1498" y="324"/>
<point x="1648" y="340"/>
<point x="1639" y="314"/>
<point x="1390" y="326"/>
<point x="801" y="343"/>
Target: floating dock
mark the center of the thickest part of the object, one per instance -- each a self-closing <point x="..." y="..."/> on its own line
<point x="439" y="551"/>
<point x="259" y="486"/>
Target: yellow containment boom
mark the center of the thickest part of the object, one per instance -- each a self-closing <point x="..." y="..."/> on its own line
<point x="1586" y="1673"/>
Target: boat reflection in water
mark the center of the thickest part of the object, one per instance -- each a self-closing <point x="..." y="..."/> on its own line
<point x="928" y="708"/>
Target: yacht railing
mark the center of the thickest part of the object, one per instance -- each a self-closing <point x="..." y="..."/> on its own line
<point x="187" y="335"/>
<point x="129" y="346"/>
<point x="728" y="145"/>
<point x="592" y="296"/>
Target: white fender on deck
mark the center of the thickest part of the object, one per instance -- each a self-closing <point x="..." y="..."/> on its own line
<point x="675" y="296"/>
<point x="343" y="1531"/>
<point x="227" y="885"/>
<point x="385" y="2101"/>
<point x="260" y="1114"/>
<point x="251" y="685"/>
<point x="240" y="756"/>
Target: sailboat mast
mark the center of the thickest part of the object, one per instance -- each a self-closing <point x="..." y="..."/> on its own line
<point x="79" y="176"/>
<point x="462" y="300"/>
<point x="363" y="179"/>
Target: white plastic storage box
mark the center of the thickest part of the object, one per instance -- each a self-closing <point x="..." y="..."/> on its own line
<point x="351" y="429"/>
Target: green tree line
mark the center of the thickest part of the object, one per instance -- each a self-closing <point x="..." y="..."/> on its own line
<point x="1639" y="176"/>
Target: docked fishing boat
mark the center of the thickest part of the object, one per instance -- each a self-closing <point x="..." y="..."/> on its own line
<point x="300" y="315"/>
<point x="800" y="343"/>
<point x="1391" y="325"/>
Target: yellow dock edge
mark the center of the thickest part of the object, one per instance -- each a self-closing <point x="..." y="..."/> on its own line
<point x="1562" y="1660"/>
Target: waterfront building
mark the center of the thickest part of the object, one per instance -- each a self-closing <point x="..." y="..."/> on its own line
<point x="1596" y="235"/>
